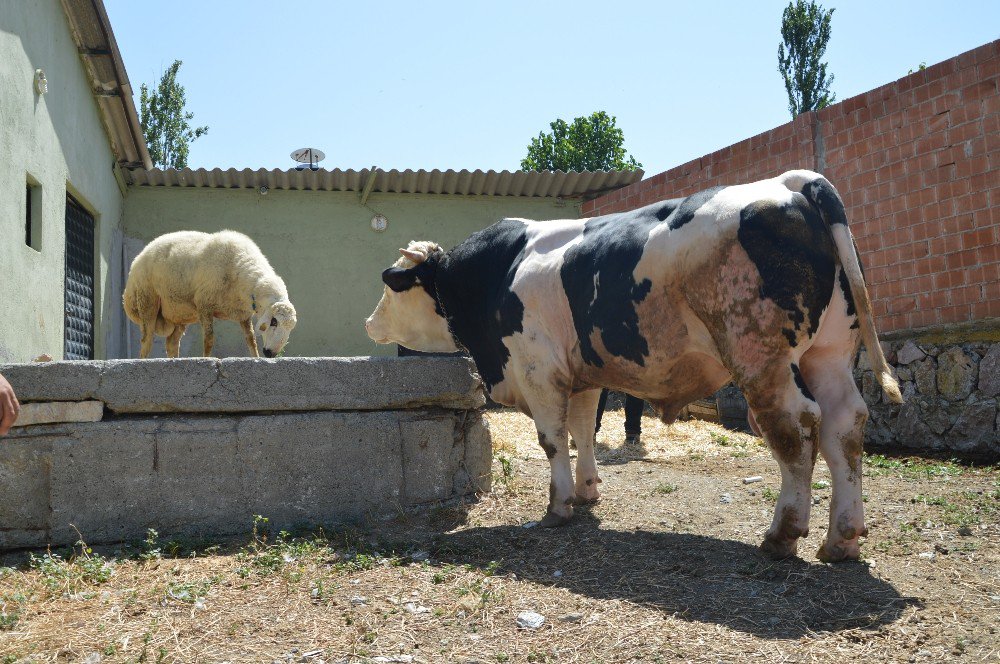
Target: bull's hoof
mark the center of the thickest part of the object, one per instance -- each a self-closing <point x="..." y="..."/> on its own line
<point x="779" y="549"/>
<point x="587" y="494"/>
<point x="553" y="520"/>
<point x="839" y="551"/>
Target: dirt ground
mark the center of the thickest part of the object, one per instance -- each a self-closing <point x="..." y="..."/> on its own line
<point x="664" y="568"/>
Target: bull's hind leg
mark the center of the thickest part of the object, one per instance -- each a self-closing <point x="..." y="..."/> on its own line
<point x="789" y="418"/>
<point x="828" y="375"/>
<point x="582" y="412"/>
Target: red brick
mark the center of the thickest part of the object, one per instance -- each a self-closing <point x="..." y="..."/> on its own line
<point x="979" y="238"/>
<point x="987" y="309"/>
<point x="967" y="294"/>
<point x="921" y="319"/>
<point x="956" y="314"/>
<point x="947" y="280"/>
<point x="979" y="90"/>
<point x="962" y="259"/>
<point x="902" y="305"/>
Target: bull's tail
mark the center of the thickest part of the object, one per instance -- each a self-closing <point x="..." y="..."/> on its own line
<point x="824" y="196"/>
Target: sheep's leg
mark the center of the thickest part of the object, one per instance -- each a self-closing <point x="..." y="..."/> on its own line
<point x="248" y="332"/>
<point x="208" y="330"/>
<point x="146" y="338"/>
<point x="174" y="341"/>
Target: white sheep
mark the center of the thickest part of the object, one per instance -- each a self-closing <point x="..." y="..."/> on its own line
<point x="191" y="277"/>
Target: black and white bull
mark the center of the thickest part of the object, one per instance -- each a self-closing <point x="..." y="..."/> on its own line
<point x="758" y="283"/>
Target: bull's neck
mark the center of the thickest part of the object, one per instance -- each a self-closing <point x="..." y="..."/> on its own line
<point x="441" y="275"/>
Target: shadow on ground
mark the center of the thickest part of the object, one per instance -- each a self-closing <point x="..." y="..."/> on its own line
<point x="693" y="577"/>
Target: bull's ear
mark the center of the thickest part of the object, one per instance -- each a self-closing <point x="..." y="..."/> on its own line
<point x="399" y="279"/>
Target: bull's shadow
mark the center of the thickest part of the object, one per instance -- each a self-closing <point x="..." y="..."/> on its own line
<point x="694" y="577"/>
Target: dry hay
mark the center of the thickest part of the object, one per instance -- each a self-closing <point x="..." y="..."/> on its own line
<point x="659" y="570"/>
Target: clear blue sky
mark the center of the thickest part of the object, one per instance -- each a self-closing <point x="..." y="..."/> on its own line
<point x="467" y="84"/>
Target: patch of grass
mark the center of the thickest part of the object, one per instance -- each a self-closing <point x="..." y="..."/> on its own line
<point x="952" y="513"/>
<point x="190" y="591"/>
<point x="720" y="439"/>
<point x="665" y="488"/>
<point x="770" y="494"/>
<point x="911" y="468"/>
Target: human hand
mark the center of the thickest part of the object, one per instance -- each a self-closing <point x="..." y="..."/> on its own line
<point x="9" y="407"/>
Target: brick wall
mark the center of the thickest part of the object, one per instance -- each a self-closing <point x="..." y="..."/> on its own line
<point x="917" y="162"/>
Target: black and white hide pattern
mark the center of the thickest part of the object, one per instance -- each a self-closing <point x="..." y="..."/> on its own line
<point x="758" y="283"/>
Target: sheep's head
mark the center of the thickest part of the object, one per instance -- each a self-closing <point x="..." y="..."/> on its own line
<point x="408" y="313"/>
<point x="276" y="323"/>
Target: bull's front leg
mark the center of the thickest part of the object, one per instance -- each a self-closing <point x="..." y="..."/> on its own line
<point x="553" y="437"/>
<point x="581" y="421"/>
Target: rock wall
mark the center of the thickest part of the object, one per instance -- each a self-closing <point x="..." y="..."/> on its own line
<point x="951" y="393"/>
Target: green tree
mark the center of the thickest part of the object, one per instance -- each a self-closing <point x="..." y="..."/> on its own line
<point x="805" y="30"/>
<point x="588" y="144"/>
<point x="165" y="122"/>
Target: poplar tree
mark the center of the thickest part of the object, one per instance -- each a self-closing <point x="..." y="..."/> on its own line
<point x="805" y="31"/>
<point x="165" y="122"/>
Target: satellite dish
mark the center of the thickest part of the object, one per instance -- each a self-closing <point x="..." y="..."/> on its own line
<point x="308" y="158"/>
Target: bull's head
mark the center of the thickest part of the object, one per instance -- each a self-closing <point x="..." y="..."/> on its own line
<point x="408" y="313"/>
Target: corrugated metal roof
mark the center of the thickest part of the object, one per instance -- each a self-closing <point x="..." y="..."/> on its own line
<point x="550" y="184"/>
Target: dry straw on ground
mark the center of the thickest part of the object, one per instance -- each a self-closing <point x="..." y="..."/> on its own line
<point x="664" y="568"/>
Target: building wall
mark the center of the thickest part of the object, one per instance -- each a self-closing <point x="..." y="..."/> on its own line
<point x="58" y="140"/>
<point x="917" y="162"/>
<point x="322" y="245"/>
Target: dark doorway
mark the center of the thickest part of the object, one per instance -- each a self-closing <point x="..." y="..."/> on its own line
<point x="79" y="295"/>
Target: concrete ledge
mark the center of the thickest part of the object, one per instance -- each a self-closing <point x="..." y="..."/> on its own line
<point x="245" y="385"/>
<point x="370" y="437"/>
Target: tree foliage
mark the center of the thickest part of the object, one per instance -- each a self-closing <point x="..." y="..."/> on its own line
<point x="805" y="31"/>
<point x="165" y="122"/>
<point x="588" y="144"/>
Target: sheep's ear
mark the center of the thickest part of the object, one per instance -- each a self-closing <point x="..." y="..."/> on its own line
<point x="399" y="279"/>
<point x="414" y="256"/>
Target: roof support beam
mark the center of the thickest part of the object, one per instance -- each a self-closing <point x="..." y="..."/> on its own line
<point x="369" y="185"/>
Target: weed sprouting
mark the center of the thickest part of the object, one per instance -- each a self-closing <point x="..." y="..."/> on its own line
<point x="79" y="570"/>
<point x="506" y="462"/>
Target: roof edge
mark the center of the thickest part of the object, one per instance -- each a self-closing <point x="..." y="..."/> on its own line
<point x="583" y="185"/>
<point x="96" y="45"/>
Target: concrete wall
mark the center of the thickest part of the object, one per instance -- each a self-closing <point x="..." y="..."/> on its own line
<point x="198" y="447"/>
<point x="322" y="245"/>
<point x="917" y="162"/>
<point x="57" y="140"/>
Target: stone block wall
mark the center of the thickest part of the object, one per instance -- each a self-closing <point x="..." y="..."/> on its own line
<point x="197" y="447"/>
<point x="951" y="390"/>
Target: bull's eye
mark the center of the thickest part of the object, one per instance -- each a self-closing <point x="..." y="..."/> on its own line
<point x="274" y="322"/>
